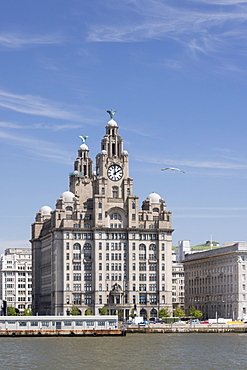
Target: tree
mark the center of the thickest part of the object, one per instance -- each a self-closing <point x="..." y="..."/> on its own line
<point x="103" y="311"/>
<point x="88" y="312"/>
<point x="195" y="313"/>
<point x="12" y="311"/>
<point x="75" y="311"/>
<point x="132" y="313"/>
<point x="27" y="312"/>
<point x="164" y="312"/>
<point x="179" y="312"/>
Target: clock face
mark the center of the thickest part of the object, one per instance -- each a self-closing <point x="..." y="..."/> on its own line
<point x="115" y="172"/>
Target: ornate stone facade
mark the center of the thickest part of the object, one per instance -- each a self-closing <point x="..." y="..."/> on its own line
<point x="97" y="248"/>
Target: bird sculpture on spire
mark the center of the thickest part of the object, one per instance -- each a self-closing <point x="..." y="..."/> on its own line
<point x="83" y="138"/>
<point x="111" y="112"/>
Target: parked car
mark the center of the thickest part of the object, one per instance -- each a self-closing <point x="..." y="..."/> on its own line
<point x="193" y="321"/>
<point x="205" y="322"/>
<point x="155" y="320"/>
<point x="127" y="323"/>
<point x="143" y="323"/>
<point x="179" y="322"/>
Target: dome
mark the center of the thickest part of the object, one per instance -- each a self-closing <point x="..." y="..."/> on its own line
<point x="45" y="210"/>
<point x="154" y="197"/>
<point x="125" y="152"/>
<point x="68" y="196"/>
<point x="76" y="172"/>
<point x="112" y="123"/>
<point x="84" y="147"/>
<point x="103" y="151"/>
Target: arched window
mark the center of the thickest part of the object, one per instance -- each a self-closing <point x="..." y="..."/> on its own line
<point x="87" y="247"/>
<point x="68" y="208"/>
<point x="142" y="247"/>
<point x="77" y="247"/>
<point x="152" y="247"/>
<point x="155" y="209"/>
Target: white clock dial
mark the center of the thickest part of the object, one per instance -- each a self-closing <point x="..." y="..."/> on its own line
<point x="115" y="172"/>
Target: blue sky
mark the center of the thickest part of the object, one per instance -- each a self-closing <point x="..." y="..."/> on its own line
<point x="175" y="72"/>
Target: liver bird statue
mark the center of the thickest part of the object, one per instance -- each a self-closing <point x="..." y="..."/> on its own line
<point x="83" y="138"/>
<point x="111" y="112"/>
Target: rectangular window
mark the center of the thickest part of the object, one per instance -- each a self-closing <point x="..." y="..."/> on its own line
<point x="88" y="287"/>
<point x="142" y="277"/>
<point x="76" y="277"/>
<point x="88" y="276"/>
<point x="142" y="299"/>
<point x="77" y="299"/>
<point x="152" y="267"/>
<point x="142" y="266"/>
<point x="142" y="287"/>
<point x="77" y="266"/>
<point x="88" y="299"/>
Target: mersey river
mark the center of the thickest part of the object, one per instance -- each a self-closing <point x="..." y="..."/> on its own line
<point x="135" y="352"/>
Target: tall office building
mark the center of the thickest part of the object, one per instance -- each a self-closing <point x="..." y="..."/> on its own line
<point x="96" y="248"/>
<point x="16" y="278"/>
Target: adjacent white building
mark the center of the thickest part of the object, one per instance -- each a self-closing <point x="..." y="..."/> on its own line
<point x="16" y="278"/>
<point x="97" y="248"/>
<point x="177" y="285"/>
<point x="216" y="281"/>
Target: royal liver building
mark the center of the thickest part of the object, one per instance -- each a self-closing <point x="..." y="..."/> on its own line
<point x="97" y="248"/>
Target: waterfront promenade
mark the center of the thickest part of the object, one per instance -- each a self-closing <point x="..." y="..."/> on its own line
<point x="187" y="328"/>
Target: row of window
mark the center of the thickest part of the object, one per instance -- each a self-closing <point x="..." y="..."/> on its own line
<point x="140" y="236"/>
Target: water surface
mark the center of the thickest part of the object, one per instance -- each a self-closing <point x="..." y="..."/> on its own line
<point x="135" y="351"/>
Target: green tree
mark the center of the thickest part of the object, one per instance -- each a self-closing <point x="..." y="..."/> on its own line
<point x="164" y="312"/>
<point x="103" y="311"/>
<point x="179" y="312"/>
<point x="120" y="314"/>
<point x="27" y="312"/>
<point x="11" y="311"/>
<point x="132" y="313"/>
<point x="88" y="312"/>
<point x="75" y="311"/>
<point x="195" y="313"/>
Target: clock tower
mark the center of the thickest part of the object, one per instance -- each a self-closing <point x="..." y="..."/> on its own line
<point x="112" y="171"/>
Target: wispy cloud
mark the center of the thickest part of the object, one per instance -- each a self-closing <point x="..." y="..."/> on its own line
<point x="208" y="215"/>
<point x="198" y="164"/>
<point x="18" y="40"/>
<point x="10" y="125"/>
<point x="38" y="147"/>
<point x="206" y="27"/>
<point x="35" y="105"/>
<point x="227" y="209"/>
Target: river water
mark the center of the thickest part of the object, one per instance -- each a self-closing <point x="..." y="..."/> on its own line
<point x="135" y="351"/>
